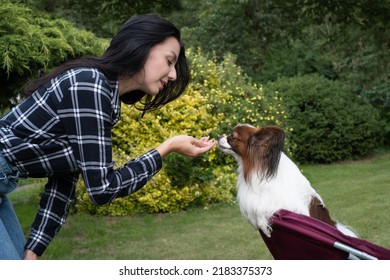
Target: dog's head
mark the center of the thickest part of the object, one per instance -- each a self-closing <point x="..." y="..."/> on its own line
<point x="257" y="149"/>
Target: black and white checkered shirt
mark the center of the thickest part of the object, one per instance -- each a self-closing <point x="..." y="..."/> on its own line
<point x="64" y="130"/>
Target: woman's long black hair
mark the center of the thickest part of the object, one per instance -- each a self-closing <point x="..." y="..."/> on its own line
<point x="126" y="55"/>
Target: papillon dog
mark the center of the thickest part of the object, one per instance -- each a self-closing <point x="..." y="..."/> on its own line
<point x="268" y="180"/>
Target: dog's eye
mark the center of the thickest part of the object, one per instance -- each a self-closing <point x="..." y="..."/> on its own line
<point x="232" y="137"/>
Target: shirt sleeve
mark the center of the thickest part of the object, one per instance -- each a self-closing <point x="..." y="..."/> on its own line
<point x="54" y="207"/>
<point x="86" y="113"/>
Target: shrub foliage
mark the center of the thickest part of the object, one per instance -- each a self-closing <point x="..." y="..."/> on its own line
<point x="329" y="122"/>
<point x="32" y="41"/>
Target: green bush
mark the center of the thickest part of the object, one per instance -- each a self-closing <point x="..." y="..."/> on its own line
<point x="379" y="96"/>
<point x="328" y="121"/>
<point x="347" y="53"/>
<point x="30" y="41"/>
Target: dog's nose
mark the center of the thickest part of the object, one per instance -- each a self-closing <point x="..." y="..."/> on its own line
<point x="219" y="137"/>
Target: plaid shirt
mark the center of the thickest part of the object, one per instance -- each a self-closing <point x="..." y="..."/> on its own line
<point x="64" y="130"/>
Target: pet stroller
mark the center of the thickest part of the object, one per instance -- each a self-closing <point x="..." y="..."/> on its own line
<point x="299" y="237"/>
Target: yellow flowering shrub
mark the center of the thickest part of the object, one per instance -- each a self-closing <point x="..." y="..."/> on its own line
<point x="232" y="94"/>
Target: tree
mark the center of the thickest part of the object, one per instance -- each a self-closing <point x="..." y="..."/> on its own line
<point x="31" y="41"/>
<point x="242" y="27"/>
<point x="102" y="17"/>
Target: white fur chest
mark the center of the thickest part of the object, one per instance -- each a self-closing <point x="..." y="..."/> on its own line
<point x="259" y="199"/>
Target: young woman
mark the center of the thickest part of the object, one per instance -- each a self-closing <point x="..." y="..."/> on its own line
<point x="63" y="129"/>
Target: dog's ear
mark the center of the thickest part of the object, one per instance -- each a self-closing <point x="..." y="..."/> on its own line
<point x="266" y="145"/>
<point x="269" y="136"/>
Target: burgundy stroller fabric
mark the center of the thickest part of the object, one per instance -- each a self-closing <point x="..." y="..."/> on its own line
<point x="299" y="237"/>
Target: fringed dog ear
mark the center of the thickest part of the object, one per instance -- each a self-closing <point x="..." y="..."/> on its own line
<point x="269" y="136"/>
<point x="277" y="138"/>
<point x="269" y="142"/>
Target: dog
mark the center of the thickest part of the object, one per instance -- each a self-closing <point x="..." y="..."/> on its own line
<point x="268" y="180"/>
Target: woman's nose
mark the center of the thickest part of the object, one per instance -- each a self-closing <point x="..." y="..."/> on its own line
<point x="172" y="74"/>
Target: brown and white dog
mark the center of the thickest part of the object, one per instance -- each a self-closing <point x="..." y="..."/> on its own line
<point x="268" y="180"/>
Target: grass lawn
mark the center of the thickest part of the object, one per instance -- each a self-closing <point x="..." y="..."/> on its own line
<point x="357" y="193"/>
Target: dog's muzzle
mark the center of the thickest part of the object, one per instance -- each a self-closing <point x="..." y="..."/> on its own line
<point x="223" y="144"/>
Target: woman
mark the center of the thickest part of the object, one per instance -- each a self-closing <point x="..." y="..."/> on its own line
<point x="64" y="128"/>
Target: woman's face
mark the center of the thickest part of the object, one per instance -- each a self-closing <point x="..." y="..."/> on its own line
<point x="159" y="68"/>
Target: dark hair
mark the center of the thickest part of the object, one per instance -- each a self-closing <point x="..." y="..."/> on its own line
<point x="126" y="55"/>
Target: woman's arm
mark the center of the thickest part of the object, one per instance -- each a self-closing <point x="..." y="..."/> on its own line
<point x="54" y="206"/>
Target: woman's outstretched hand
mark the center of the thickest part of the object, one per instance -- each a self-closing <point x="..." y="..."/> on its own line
<point x="185" y="145"/>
